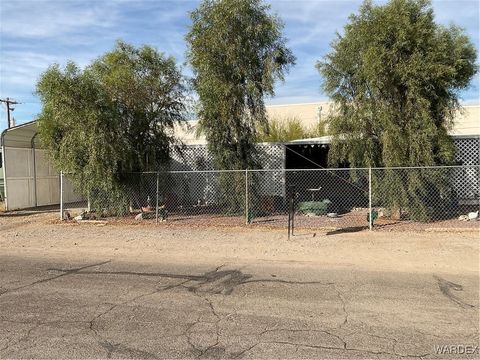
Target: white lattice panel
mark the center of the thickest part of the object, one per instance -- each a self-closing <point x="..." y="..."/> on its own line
<point x="197" y="157"/>
<point x="467" y="151"/>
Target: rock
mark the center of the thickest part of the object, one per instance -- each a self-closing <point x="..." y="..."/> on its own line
<point x="463" y="217"/>
<point x="473" y="215"/>
<point x="80" y="217"/>
<point x="332" y="215"/>
<point x="90" y="216"/>
<point x="66" y="215"/>
<point x="145" y="215"/>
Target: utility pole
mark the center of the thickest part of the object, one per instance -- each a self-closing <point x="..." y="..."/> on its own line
<point x="9" y="102"/>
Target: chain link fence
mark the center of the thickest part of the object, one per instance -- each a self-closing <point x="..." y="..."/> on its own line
<point x="330" y="199"/>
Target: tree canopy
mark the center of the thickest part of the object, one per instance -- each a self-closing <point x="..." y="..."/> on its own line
<point x="237" y="52"/>
<point x="115" y="116"/>
<point x="395" y="75"/>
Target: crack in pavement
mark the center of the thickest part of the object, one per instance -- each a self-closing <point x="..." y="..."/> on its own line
<point x="446" y="287"/>
<point x="306" y="330"/>
<point x="200" y="352"/>
<point x="122" y="349"/>
<point x="238" y="355"/>
<point x="234" y="277"/>
<point x="23" y="338"/>
<point x="36" y="324"/>
<point x="118" y="347"/>
<point x="216" y="282"/>
<point x="64" y="273"/>
<point x="341" y="339"/>
<point x="342" y="299"/>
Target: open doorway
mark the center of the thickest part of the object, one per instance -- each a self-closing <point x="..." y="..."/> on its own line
<point x="308" y="172"/>
<point x="306" y="156"/>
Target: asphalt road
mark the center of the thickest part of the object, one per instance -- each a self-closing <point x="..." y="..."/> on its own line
<point x="112" y="309"/>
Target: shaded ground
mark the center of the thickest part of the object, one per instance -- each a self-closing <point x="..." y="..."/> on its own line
<point x="357" y="220"/>
<point x="124" y="291"/>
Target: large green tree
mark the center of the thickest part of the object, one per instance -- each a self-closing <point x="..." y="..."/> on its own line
<point x="237" y="52"/>
<point x="112" y="118"/>
<point x="394" y="75"/>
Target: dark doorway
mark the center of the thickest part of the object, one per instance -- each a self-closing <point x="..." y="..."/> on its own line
<point x="337" y="186"/>
<point x="306" y="156"/>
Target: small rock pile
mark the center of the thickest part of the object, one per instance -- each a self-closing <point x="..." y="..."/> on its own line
<point x="471" y="216"/>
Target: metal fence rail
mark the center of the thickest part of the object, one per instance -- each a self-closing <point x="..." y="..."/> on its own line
<point x="346" y="198"/>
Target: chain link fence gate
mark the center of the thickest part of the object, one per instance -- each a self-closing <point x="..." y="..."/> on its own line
<point x="346" y="199"/>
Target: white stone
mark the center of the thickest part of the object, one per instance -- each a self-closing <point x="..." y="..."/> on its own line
<point x="473" y="215"/>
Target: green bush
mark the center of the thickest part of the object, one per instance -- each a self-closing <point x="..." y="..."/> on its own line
<point x="314" y="207"/>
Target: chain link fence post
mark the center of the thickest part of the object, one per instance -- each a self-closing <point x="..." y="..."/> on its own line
<point x="247" y="220"/>
<point x="370" y="219"/>
<point x="61" y="195"/>
<point x="156" y="203"/>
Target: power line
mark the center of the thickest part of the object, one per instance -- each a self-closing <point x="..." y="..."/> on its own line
<point x="8" y="102"/>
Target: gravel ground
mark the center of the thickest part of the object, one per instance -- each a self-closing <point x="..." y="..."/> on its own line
<point x="149" y="291"/>
<point x="32" y="230"/>
<point x="355" y="221"/>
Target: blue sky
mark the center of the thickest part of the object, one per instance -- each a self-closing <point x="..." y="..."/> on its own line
<point x="36" y="33"/>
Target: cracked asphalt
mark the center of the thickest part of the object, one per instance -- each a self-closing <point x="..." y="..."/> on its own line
<point x="101" y="305"/>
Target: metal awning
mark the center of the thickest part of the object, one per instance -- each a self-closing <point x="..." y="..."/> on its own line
<point x="308" y="141"/>
<point x="20" y="136"/>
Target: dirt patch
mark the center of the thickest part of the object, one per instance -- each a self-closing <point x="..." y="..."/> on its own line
<point x="347" y="222"/>
<point x="220" y="242"/>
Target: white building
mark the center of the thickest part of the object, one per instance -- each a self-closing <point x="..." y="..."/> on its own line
<point x="467" y="121"/>
<point x="30" y="181"/>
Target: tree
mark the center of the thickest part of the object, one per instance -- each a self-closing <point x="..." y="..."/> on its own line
<point x="395" y="75"/>
<point x="113" y="118"/>
<point x="237" y="52"/>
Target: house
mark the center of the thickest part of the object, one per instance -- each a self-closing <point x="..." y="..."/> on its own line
<point x="313" y="154"/>
<point x="467" y="121"/>
<point x="30" y="181"/>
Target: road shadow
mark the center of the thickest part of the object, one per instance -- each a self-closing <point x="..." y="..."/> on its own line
<point x="211" y="282"/>
<point x="26" y="213"/>
<point x="351" y="229"/>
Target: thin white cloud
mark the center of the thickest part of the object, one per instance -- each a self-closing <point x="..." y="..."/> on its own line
<point x="37" y="33"/>
<point x="43" y="19"/>
<point x="22" y="68"/>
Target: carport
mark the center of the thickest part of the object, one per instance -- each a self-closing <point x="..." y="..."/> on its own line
<point x="30" y="180"/>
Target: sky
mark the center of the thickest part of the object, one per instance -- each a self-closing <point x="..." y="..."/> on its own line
<point x="37" y="33"/>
